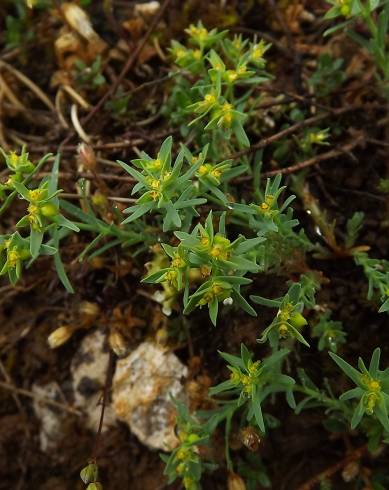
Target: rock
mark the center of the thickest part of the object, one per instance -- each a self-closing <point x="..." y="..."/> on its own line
<point x="143" y="384"/>
<point x="147" y="9"/>
<point x="50" y="418"/>
<point x="88" y="370"/>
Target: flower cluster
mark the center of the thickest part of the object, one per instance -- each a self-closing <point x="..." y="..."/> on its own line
<point x="211" y="257"/>
<point x="217" y="67"/>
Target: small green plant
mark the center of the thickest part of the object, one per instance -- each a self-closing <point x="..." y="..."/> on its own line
<point x="376" y="24"/>
<point x="165" y="187"/>
<point x="372" y="391"/>
<point x="289" y="319"/>
<point x="214" y="259"/>
<point x="43" y="218"/>
<point x="377" y="273"/>
<point x="90" y="77"/>
<point x="20" y="168"/>
<point x="329" y="332"/>
<point x="328" y="75"/>
<point x="89" y="475"/>
<point x="251" y="382"/>
<point x="219" y="67"/>
<point x="185" y="461"/>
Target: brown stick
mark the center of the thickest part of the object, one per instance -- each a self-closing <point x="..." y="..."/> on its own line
<point x="127" y="67"/>
<point x="43" y="399"/>
<point x="316" y="159"/>
<point x="292" y="129"/>
<point x="353" y="456"/>
<point x="108" y="380"/>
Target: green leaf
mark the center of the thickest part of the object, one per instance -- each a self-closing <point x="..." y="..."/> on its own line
<point x="358" y="414"/>
<point x="62" y="221"/>
<point x="155" y="277"/>
<point x="234" y="361"/>
<point x="256" y="407"/>
<point x="236" y="296"/>
<point x="137" y="211"/>
<point x="36" y="238"/>
<point x="59" y="265"/>
<point x="249" y="244"/>
<point x="351" y="372"/>
<point x="374" y="363"/>
<point x="213" y="310"/>
<point x="53" y="179"/>
<point x="172" y="218"/>
<point x="241" y="135"/>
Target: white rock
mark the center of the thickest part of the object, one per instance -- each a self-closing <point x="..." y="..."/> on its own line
<point x="143" y="385"/>
<point x="88" y="370"/>
<point x="147" y="9"/>
<point x="50" y="418"/>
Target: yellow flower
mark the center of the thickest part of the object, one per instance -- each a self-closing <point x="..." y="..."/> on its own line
<point x="231" y="75"/>
<point x="197" y="54"/>
<point x="216" y="173"/>
<point x="14" y="159"/>
<point x="178" y="262"/>
<point x="210" y="99"/>
<point x="283" y="330"/>
<point x="258" y="50"/>
<point x="203" y="170"/>
<point x="37" y="194"/>
<point x="13" y="257"/>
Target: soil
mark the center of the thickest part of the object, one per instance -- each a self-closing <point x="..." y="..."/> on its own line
<point x="301" y="447"/>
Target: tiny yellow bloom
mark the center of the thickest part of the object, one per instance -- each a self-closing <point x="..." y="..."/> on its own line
<point x="197" y="54"/>
<point x="283" y="330"/>
<point x="13" y="257"/>
<point x="36" y="194"/>
<point x="232" y="75"/>
<point x="210" y="99"/>
<point x="14" y="159"/>
<point x="178" y="262"/>
<point x="203" y="170"/>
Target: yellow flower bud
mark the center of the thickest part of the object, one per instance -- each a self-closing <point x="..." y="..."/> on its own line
<point x="297" y="320"/>
<point x="49" y="210"/>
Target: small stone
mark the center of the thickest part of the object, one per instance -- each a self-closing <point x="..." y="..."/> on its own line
<point x="50" y="418"/>
<point x="147" y="9"/>
<point x="143" y="385"/>
<point x="88" y="370"/>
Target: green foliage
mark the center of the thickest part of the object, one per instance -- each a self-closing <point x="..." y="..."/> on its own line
<point x="43" y="218"/>
<point x="251" y="382"/>
<point x="328" y="75"/>
<point x="184" y="461"/>
<point x="18" y="28"/>
<point x="329" y="332"/>
<point x="212" y="71"/>
<point x="165" y="187"/>
<point x="275" y="221"/>
<point x="20" y="167"/>
<point x="289" y="319"/>
<point x="254" y="472"/>
<point x="372" y="391"/>
<point x="377" y="273"/>
<point x="89" y="77"/>
<point x="377" y="26"/>
<point x="353" y="228"/>
<point x="212" y="257"/>
<point x="213" y="240"/>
